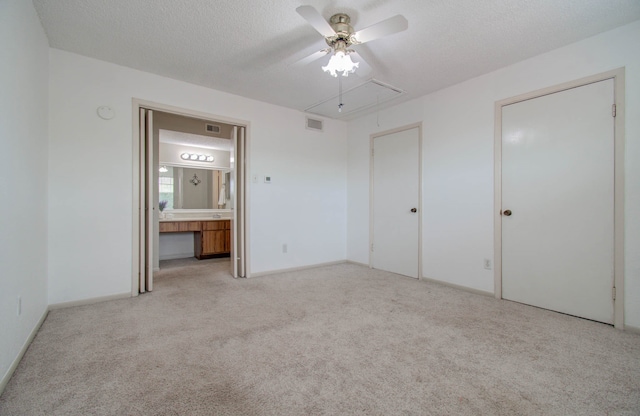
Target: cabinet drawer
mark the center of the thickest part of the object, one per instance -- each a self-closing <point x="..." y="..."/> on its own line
<point x="179" y="226"/>
<point x="169" y="227"/>
<point x="189" y="225"/>
<point x="216" y="225"/>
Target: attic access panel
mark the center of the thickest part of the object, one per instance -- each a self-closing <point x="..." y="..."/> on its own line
<point x="355" y="100"/>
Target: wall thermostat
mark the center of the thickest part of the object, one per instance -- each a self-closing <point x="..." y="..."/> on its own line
<point x="267" y="179"/>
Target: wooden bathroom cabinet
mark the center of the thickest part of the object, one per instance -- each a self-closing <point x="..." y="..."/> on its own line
<point x="210" y="238"/>
<point x="215" y="238"/>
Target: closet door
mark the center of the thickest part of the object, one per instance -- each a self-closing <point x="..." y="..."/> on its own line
<point x="234" y="201"/>
<point x="558" y="201"/>
<point x="241" y="180"/>
<point x="237" y="193"/>
<point x="148" y="184"/>
<point x="396" y="200"/>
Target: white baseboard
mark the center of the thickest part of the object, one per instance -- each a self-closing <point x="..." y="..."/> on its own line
<point x="632" y="329"/>
<point x="296" y="269"/>
<point x="89" y="301"/>
<point x="176" y="256"/>
<point x="453" y="285"/>
<point x="23" y="350"/>
<point x="358" y="263"/>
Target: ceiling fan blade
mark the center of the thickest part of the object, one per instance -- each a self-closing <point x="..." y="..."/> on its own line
<point x="316" y="20"/>
<point x="312" y="57"/>
<point x="387" y="27"/>
<point x="364" y="69"/>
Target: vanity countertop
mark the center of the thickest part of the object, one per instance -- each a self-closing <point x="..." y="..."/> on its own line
<point x="193" y="219"/>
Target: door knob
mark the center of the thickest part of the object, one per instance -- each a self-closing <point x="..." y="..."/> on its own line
<point x="414" y="210"/>
<point x="506" y="212"/>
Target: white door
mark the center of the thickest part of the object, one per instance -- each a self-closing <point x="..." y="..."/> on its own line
<point x="241" y="208"/>
<point x="396" y="193"/>
<point x="233" y="193"/>
<point x="148" y="185"/>
<point x="237" y="193"/>
<point x="557" y="201"/>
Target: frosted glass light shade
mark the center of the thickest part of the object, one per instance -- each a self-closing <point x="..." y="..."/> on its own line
<point x="340" y="62"/>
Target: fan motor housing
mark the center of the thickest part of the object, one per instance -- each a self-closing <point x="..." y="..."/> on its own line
<point x="340" y="23"/>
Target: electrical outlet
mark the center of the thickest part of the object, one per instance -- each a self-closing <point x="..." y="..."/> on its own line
<point x="487" y="264"/>
<point x="19" y="309"/>
<point x="284" y="248"/>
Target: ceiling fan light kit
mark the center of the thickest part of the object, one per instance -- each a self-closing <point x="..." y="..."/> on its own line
<point x="341" y="62"/>
<point x="339" y="35"/>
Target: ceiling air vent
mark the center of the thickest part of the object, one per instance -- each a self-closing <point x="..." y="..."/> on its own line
<point x="313" y="124"/>
<point x="212" y="128"/>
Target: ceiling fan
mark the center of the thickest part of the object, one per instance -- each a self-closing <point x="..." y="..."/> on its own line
<point x="340" y="36"/>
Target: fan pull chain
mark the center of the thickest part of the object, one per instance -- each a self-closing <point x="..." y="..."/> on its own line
<point x="340" y="95"/>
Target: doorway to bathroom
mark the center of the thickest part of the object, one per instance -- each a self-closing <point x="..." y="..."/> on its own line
<point x="189" y="190"/>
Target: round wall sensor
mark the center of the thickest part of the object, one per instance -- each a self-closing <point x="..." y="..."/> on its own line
<point x="105" y="112"/>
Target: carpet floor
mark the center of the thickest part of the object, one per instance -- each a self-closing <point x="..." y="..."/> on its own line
<point x="336" y="340"/>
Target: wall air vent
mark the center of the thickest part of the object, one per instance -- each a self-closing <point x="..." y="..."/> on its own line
<point x="314" y="124"/>
<point x="356" y="100"/>
<point x="212" y="128"/>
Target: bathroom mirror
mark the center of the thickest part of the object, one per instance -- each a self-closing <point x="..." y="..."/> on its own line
<point x="193" y="188"/>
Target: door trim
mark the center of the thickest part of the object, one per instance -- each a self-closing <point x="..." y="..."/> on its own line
<point x="136" y="104"/>
<point x="371" y="139"/>
<point x="618" y="76"/>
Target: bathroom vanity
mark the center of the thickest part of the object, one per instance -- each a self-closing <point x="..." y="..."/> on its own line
<point x="211" y="237"/>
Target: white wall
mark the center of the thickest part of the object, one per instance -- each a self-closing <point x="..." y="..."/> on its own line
<point x="91" y="176"/>
<point x="458" y="129"/>
<point x="23" y="190"/>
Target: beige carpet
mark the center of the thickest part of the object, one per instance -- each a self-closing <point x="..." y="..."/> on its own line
<point x="336" y="340"/>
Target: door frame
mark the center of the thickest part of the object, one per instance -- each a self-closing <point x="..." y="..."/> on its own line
<point x="618" y="228"/>
<point x="136" y="211"/>
<point x="371" y="187"/>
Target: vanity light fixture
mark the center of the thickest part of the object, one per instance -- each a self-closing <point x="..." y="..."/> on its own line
<point x="197" y="157"/>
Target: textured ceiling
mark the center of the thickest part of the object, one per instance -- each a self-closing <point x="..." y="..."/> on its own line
<point x="246" y="47"/>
